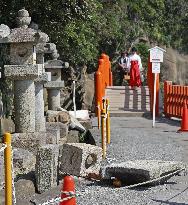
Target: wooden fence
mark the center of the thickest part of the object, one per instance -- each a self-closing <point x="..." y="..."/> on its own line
<point x="174" y="98"/>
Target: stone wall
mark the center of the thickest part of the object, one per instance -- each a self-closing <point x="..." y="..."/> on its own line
<point x="175" y="67"/>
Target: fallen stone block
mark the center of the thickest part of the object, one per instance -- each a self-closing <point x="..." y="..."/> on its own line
<point x="80" y="159"/>
<point x="76" y="125"/>
<point x="132" y="172"/>
<point x="46" y="167"/>
<point x="29" y="141"/>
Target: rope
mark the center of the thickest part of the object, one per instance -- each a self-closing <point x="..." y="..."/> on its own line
<point x="3" y="147"/>
<point x="52" y="201"/>
<point x="155" y="180"/>
<point x="57" y="200"/>
<point x="70" y="193"/>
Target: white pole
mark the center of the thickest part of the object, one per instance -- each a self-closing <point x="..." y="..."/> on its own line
<point x="154" y="99"/>
<point x="74" y="103"/>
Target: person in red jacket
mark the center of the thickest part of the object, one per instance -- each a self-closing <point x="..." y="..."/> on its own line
<point x="134" y="65"/>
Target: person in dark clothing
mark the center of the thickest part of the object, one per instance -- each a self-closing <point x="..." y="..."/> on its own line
<point x="122" y="67"/>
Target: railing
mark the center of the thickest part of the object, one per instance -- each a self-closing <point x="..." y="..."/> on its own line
<point x="174" y="98"/>
<point x="103" y="78"/>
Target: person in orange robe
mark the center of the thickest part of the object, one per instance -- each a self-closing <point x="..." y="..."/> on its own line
<point x="134" y="65"/>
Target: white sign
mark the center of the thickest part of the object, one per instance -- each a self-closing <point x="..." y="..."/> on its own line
<point x="156" y="55"/>
<point x="155" y="67"/>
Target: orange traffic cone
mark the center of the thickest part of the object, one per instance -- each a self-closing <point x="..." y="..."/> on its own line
<point x="68" y="196"/>
<point x="184" y="121"/>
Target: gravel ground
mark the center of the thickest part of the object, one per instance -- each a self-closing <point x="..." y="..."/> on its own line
<point x="135" y="139"/>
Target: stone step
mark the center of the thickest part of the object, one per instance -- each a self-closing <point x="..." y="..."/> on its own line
<point x="119" y="113"/>
<point x="127" y="102"/>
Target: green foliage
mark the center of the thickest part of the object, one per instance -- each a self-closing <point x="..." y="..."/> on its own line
<point x="82" y="29"/>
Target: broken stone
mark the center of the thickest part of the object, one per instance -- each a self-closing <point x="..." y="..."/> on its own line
<point x="86" y="123"/>
<point x="80" y="159"/>
<point x="46" y="167"/>
<point x="132" y="172"/>
<point x="75" y="125"/>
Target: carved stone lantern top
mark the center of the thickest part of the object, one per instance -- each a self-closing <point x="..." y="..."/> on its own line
<point x="23" y="33"/>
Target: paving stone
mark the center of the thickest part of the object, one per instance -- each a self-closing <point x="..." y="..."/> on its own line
<point x="140" y="170"/>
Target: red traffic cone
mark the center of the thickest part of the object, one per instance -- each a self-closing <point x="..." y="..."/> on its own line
<point x="68" y="196"/>
<point x="184" y="121"/>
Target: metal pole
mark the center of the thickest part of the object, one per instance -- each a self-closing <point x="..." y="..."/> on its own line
<point x="107" y="121"/>
<point x="103" y="113"/>
<point x="74" y="103"/>
<point x="8" y="169"/>
<point x="154" y="100"/>
<point x="99" y="115"/>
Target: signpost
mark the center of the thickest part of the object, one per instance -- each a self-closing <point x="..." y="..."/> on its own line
<point x="156" y="57"/>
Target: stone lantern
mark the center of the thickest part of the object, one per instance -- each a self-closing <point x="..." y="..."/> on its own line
<point x="23" y="70"/>
<point x="56" y="84"/>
